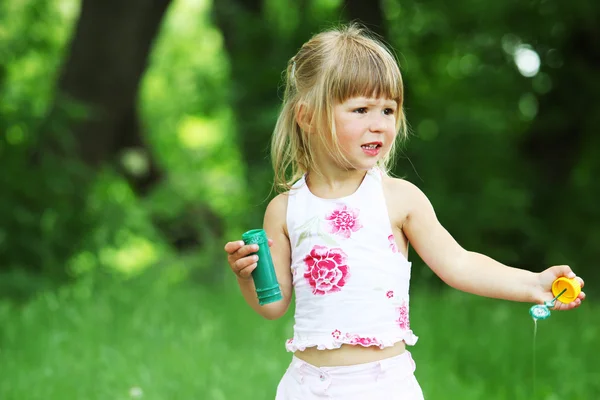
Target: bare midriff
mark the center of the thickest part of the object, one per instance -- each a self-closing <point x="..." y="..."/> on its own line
<point x="349" y="355"/>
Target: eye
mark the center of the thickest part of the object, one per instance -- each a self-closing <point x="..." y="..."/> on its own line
<point x="389" y="111"/>
<point x="361" y="110"/>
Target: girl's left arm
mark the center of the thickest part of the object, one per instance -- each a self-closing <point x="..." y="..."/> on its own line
<point x="470" y="271"/>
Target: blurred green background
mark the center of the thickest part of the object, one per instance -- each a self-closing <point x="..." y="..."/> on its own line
<point x="133" y="145"/>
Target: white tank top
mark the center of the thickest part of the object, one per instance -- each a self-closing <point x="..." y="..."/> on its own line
<point x="351" y="284"/>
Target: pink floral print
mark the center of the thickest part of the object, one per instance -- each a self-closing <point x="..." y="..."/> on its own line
<point x="390" y="294"/>
<point x="352" y="338"/>
<point x="402" y="320"/>
<point x="363" y="341"/>
<point x="343" y="221"/>
<point x="393" y="244"/>
<point x="327" y="271"/>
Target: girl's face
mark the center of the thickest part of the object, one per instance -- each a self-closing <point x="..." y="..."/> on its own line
<point x="366" y="129"/>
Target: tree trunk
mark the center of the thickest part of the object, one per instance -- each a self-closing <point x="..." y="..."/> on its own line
<point x="250" y="49"/>
<point x="101" y="73"/>
<point x="105" y="64"/>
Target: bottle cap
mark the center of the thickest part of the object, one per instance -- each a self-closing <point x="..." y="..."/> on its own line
<point x="255" y="236"/>
<point x="572" y="286"/>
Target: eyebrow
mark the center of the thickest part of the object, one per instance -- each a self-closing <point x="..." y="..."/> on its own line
<point x="373" y="102"/>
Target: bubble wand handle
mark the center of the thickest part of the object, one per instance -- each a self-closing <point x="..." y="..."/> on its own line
<point x="542" y="311"/>
<point x="550" y="303"/>
<point x="265" y="279"/>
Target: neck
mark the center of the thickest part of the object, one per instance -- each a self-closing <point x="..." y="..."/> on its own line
<point x="332" y="175"/>
<point x="335" y="179"/>
<point x="334" y="184"/>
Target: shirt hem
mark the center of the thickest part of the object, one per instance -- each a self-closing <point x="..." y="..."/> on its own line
<point x="293" y="345"/>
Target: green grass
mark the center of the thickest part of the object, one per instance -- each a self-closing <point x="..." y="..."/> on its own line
<point x="140" y="339"/>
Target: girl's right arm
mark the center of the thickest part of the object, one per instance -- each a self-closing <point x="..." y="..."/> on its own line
<point x="242" y="263"/>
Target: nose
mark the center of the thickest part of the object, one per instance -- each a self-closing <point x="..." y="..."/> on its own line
<point x="378" y="123"/>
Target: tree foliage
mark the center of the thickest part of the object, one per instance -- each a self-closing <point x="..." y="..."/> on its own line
<point x="168" y="106"/>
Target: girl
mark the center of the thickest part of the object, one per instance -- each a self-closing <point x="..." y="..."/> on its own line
<point x="339" y="230"/>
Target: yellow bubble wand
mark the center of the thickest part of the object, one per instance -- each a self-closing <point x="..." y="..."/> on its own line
<point x="570" y="288"/>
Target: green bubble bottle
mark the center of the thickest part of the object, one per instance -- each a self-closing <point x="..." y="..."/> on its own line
<point x="265" y="280"/>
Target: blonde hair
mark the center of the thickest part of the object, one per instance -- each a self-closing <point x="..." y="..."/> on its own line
<point x="330" y="68"/>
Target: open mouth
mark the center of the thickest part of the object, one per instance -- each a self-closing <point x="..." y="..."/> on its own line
<point x="371" y="146"/>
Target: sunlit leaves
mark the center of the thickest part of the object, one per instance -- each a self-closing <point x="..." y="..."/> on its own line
<point x="132" y="254"/>
<point x="196" y="133"/>
<point x="527" y="60"/>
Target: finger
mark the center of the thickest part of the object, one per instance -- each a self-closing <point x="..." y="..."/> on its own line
<point x="247" y="272"/>
<point x="563" y="270"/>
<point x="559" y="306"/>
<point x="581" y="283"/>
<point x="232" y="247"/>
<point x="244" y="262"/>
<point x="270" y="241"/>
<point x="575" y="303"/>
<point x="565" y="307"/>
<point x="244" y="251"/>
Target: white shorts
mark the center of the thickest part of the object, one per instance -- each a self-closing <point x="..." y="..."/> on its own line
<point x="390" y="379"/>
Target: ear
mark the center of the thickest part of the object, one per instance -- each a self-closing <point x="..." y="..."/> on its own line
<point x="303" y="117"/>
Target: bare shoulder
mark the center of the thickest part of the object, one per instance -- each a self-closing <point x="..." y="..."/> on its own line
<point x="279" y="202"/>
<point x="401" y="186"/>
<point x="276" y="212"/>
<point x="403" y="198"/>
<point x="400" y="189"/>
